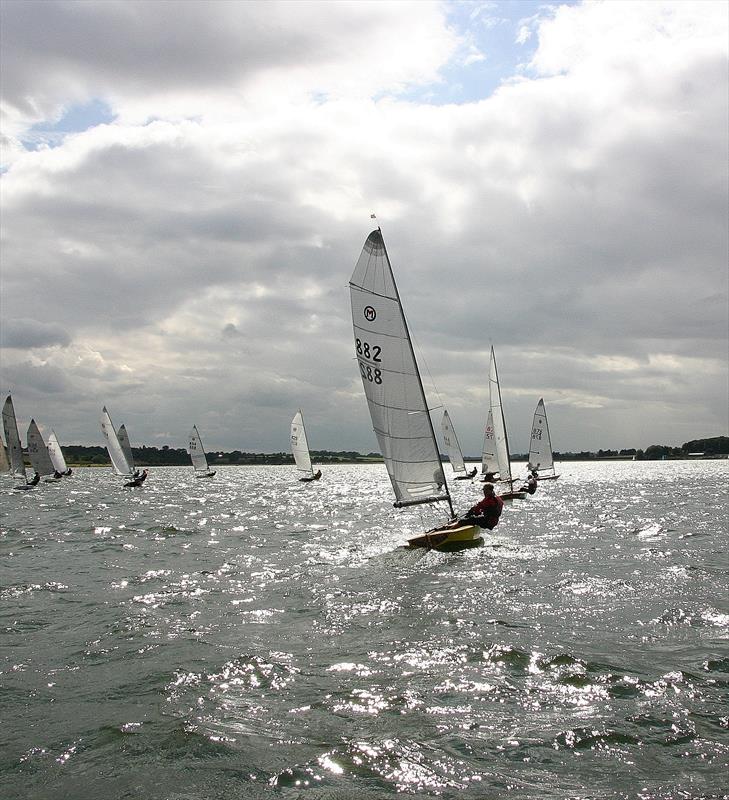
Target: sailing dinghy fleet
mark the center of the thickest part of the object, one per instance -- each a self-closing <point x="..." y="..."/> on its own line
<point x="401" y="420"/>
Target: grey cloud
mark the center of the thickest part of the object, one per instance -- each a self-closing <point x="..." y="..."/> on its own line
<point x="24" y="333"/>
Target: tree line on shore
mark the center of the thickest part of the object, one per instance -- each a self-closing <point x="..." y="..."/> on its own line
<point x="166" y="456"/>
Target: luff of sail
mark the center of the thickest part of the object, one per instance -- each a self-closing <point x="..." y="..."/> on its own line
<point x="12" y="437"/>
<point x="197" y="451"/>
<point x="299" y="445"/>
<point x="56" y="454"/>
<point x="540" y="444"/>
<point x="116" y="453"/>
<point x="453" y="447"/>
<point x="391" y="380"/>
<point x="497" y="412"/>
<point x="38" y="451"/>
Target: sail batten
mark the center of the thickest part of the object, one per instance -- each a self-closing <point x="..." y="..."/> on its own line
<point x="391" y="380"/>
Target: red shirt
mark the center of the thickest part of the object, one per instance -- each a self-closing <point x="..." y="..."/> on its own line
<point x="488" y="507"/>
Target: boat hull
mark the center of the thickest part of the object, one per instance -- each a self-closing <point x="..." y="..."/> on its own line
<point x="448" y="539"/>
<point x="508" y="496"/>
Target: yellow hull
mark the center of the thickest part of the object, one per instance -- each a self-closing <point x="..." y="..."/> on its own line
<point x="449" y="539"/>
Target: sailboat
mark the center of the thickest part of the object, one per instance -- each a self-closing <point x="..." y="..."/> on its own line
<point x="119" y="462"/>
<point x="38" y="453"/>
<point x="395" y="395"/>
<point x="15" y="450"/>
<point x="489" y="461"/>
<point x="56" y="454"/>
<point x="501" y="441"/>
<point x="540" y="446"/>
<point x="126" y="446"/>
<point x="455" y="454"/>
<point x="197" y="455"/>
<point x="300" y="450"/>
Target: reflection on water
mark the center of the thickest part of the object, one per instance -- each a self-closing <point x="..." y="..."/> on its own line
<point x="251" y="635"/>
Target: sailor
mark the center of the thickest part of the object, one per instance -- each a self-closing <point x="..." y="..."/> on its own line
<point x="486" y="513"/>
<point x="34" y="480"/>
<point x="531" y="484"/>
<point x="138" y="480"/>
<point x="489" y="476"/>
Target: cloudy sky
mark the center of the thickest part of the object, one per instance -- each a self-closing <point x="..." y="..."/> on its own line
<point x="186" y="187"/>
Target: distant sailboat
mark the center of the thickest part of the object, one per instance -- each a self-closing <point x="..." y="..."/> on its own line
<point x="126" y="446"/>
<point x="39" y="455"/>
<point x="197" y="455"/>
<point x="15" y="450"/>
<point x="395" y="396"/>
<point x="489" y="461"/>
<point x="119" y="462"/>
<point x="540" y="446"/>
<point x="300" y="450"/>
<point x="455" y="454"/>
<point x="501" y="441"/>
<point x="56" y="454"/>
<point x="4" y="462"/>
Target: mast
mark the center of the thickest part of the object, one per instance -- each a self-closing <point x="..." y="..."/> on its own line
<point x="417" y="373"/>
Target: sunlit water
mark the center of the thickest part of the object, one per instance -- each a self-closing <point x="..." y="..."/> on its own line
<point x="249" y="636"/>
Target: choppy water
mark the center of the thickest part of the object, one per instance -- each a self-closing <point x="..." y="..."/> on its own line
<point x="251" y="636"/>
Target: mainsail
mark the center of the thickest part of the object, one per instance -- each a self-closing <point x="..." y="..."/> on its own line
<point x="499" y="424"/>
<point x="126" y="446"/>
<point x="116" y="453"/>
<point x="12" y="437"/>
<point x="489" y="462"/>
<point x="56" y="454"/>
<point x="38" y="451"/>
<point x="391" y="380"/>
<point x="299" y="445"/>
<point x="197" y="451"/>
<point x="455" y="454"/>
<point x="4" y="463"/>
<point x="540" y="445"/>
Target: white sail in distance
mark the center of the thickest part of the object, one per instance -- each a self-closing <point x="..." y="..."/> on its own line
<point x="497" y="412"/>
<point x="126" y="446"/>
<point x="489" y="461"/>
<point x="540" y="445"/>
<point x="299" y="445"/>
<point x="38" y="451"/>
<point x="391" y="380"/>
<point x="12" y="437"/>
<point x="56" y="454"/>
<point x="118" y="460"/>
<point x="197" y="451"/>
<point x="453" y="447"/>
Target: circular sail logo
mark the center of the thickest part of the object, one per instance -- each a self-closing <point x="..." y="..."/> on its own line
<point x="370" y="314"/>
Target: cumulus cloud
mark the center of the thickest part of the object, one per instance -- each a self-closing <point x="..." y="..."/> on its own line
<point x="192" y="256"/>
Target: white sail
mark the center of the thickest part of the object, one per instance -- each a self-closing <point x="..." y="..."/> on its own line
<point x="123" y="437"/>
<point x="392" y="384"/>
<point x="12" y="437"/>
<point x="455" y="454"/>
<point x="299" y="445"/>
<point x="497" y="411"/>
<point x="56" y="454"/>
<point x="118" y="460"/>
<point x="489" y="462"/>
<point x="540" y="445"/>
<point x="197" y="451"/>
<point x="38" y="451"/>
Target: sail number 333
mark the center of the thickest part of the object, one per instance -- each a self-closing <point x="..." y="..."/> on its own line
<point x="370" y="353"/>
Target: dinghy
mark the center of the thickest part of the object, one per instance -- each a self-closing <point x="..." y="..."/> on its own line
<point x="15" y="450"/>
<point x="501" y="441"/>
<point x="489" y="461"/>
<point x="300" y="450"/>
<point x="540" y="446"/>
<point x="119" y="462"/>
<point x="56" y="454"/>
<point x="197" y="455"/>
<point x="39" y="455"/>
<point x="395" y="396"/>
<point x="455" y="454"/>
